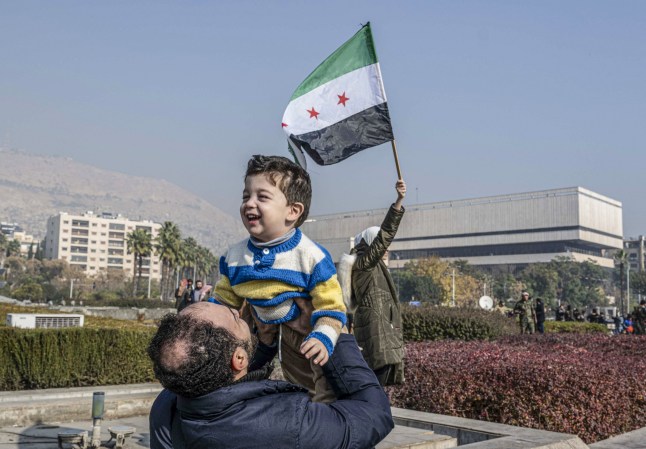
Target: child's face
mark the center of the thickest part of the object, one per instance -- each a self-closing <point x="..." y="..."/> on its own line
<point x="264" y="210"/>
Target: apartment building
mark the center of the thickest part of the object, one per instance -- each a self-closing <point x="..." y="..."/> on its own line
<point x="97" y="242"/>
<point x="636" y="250"/>
<point x="28" y="242"/>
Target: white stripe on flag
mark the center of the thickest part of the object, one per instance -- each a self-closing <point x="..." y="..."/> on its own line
<point x="362" y="87"/>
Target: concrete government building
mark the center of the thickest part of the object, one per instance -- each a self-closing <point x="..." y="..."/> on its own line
<point x="97" y="243"/>
<point x="506" y="231"/>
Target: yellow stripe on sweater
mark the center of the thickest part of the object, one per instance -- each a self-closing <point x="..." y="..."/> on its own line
<point x="263" y="289"/>
<point x="327" y="296"/>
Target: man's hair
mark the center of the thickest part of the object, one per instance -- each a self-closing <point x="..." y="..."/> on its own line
<point x="201" y="351"/>
<point x="288" y="176"/>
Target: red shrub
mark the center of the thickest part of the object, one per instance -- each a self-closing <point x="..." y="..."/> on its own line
<point x="590" y="385"/>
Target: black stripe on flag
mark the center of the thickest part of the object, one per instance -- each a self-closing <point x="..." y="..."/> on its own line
<point x="368" y="128"/>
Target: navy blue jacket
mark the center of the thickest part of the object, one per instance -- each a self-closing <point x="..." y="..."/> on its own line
<point x="275" y="414"/>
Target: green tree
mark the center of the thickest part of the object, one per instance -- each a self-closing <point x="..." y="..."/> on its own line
<point x="168" y="248"/>
<point x="3" y="248"/>
<point x="139" y="243"/>
<point x="31" y="291"/>
<point x="541" y="280"/>
<point x="638" y="282"/>
<point x="13" y="248"/>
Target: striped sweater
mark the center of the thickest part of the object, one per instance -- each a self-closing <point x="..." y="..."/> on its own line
<point x="271" y="278"/>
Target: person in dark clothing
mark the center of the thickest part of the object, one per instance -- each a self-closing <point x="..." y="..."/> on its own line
<point x="594" y="316"/>
<point x="560" y="313"/>
<point x="569" y="315"/>
<point x="184" y="294"/>
<point x="213" y="398"/>
<point x="540" y="316"/>
<point x="377" y="317"/>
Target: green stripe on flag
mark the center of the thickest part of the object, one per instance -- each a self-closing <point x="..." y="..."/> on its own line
<point x="358" y="52"/>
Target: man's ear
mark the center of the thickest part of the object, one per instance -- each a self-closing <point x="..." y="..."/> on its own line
<point x="240" y="360"/>
<point x="295" y="211"/>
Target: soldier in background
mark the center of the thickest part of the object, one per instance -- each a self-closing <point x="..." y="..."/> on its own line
<point x="526" y="312"/>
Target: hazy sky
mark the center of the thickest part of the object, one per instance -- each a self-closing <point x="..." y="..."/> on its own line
<point x="486" y="97"/>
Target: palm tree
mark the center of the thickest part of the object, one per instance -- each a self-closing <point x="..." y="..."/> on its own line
<point x="140" y="244"/>
<point x="189" y="252"/>
<point x="168" y="247"/>
<point x="621" y="259"/>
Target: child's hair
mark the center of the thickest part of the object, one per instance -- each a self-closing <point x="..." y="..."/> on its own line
<point x="288" y="176"/>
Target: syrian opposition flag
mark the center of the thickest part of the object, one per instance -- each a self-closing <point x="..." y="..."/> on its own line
<point x="340" y="108"/>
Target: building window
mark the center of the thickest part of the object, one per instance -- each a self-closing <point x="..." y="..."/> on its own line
<point x="66" y="222"/>
<point x="94" y="224"/>
<point x="117" y="226"/>
<point x="81" y="223"/>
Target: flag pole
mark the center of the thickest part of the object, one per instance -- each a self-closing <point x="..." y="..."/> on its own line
<point x="399" y="170"/>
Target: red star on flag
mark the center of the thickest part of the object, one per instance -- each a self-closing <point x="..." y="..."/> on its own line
<point x="313" y="113"/>
<point x="342" y="99"/>
<point x="284" y="125"/>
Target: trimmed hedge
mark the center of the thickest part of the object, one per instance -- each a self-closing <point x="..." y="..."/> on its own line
<point x="73" y="357"/>
<point x="439" y="323"/>
<point x="590" y="385"/>
<point x="129" y="303"/>
<point x="574" y="327"/>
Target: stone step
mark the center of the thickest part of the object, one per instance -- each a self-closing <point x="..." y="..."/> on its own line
<point x="410" y="438"/>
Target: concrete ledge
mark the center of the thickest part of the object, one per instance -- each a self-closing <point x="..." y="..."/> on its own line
<point x="474" y="434"/>
<point x="631" y="440"/>
<point x="24" y="408"/>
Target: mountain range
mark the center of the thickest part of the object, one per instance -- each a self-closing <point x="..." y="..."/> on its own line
<point x="34" y="188"/>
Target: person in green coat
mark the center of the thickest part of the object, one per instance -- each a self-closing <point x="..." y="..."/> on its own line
<point x="526" y="312"/>
<point x="377" y="319"/>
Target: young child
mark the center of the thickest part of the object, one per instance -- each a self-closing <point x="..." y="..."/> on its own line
<point x="278" y="266"/>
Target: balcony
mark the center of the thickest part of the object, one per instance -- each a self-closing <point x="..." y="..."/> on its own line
<point x="80" y="232"/>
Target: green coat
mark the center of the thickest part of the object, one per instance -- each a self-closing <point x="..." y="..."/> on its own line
<point x="377" y="320"/>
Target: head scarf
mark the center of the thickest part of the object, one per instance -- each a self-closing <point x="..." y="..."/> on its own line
<point x="367" y="235"/>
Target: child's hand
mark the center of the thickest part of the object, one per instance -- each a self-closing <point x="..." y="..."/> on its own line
<point x="314" y="348"/>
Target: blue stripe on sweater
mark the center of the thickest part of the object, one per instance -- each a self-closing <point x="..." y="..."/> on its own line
<point x="278" y="299"/>
<point x="320" y="336"/>
<point x="340" y="316"/>
<point x="240" y="275"/>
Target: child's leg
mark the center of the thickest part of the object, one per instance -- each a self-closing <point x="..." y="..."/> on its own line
<point x="299" y="370"/>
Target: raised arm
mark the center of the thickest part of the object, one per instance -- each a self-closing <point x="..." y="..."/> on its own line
<point x="375" y="252"/>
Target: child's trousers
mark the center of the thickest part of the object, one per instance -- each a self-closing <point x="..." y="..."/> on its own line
<point x="299" y="370"/>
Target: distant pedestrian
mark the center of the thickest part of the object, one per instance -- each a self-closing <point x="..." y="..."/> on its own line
<point x="560" y="313"/>
<point x="184" y="294"/>
<point x="540" y="315"/>
<point x="569" y="316"/>
<point x="640" y="318"/>
<point x="200" y="292"/>
<point x="526" y="312"/>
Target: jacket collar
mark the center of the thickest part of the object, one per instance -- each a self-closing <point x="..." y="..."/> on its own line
<point x="221" y="399"/>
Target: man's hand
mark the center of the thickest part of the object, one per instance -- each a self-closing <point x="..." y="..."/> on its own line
<point x="314" y="348"/>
